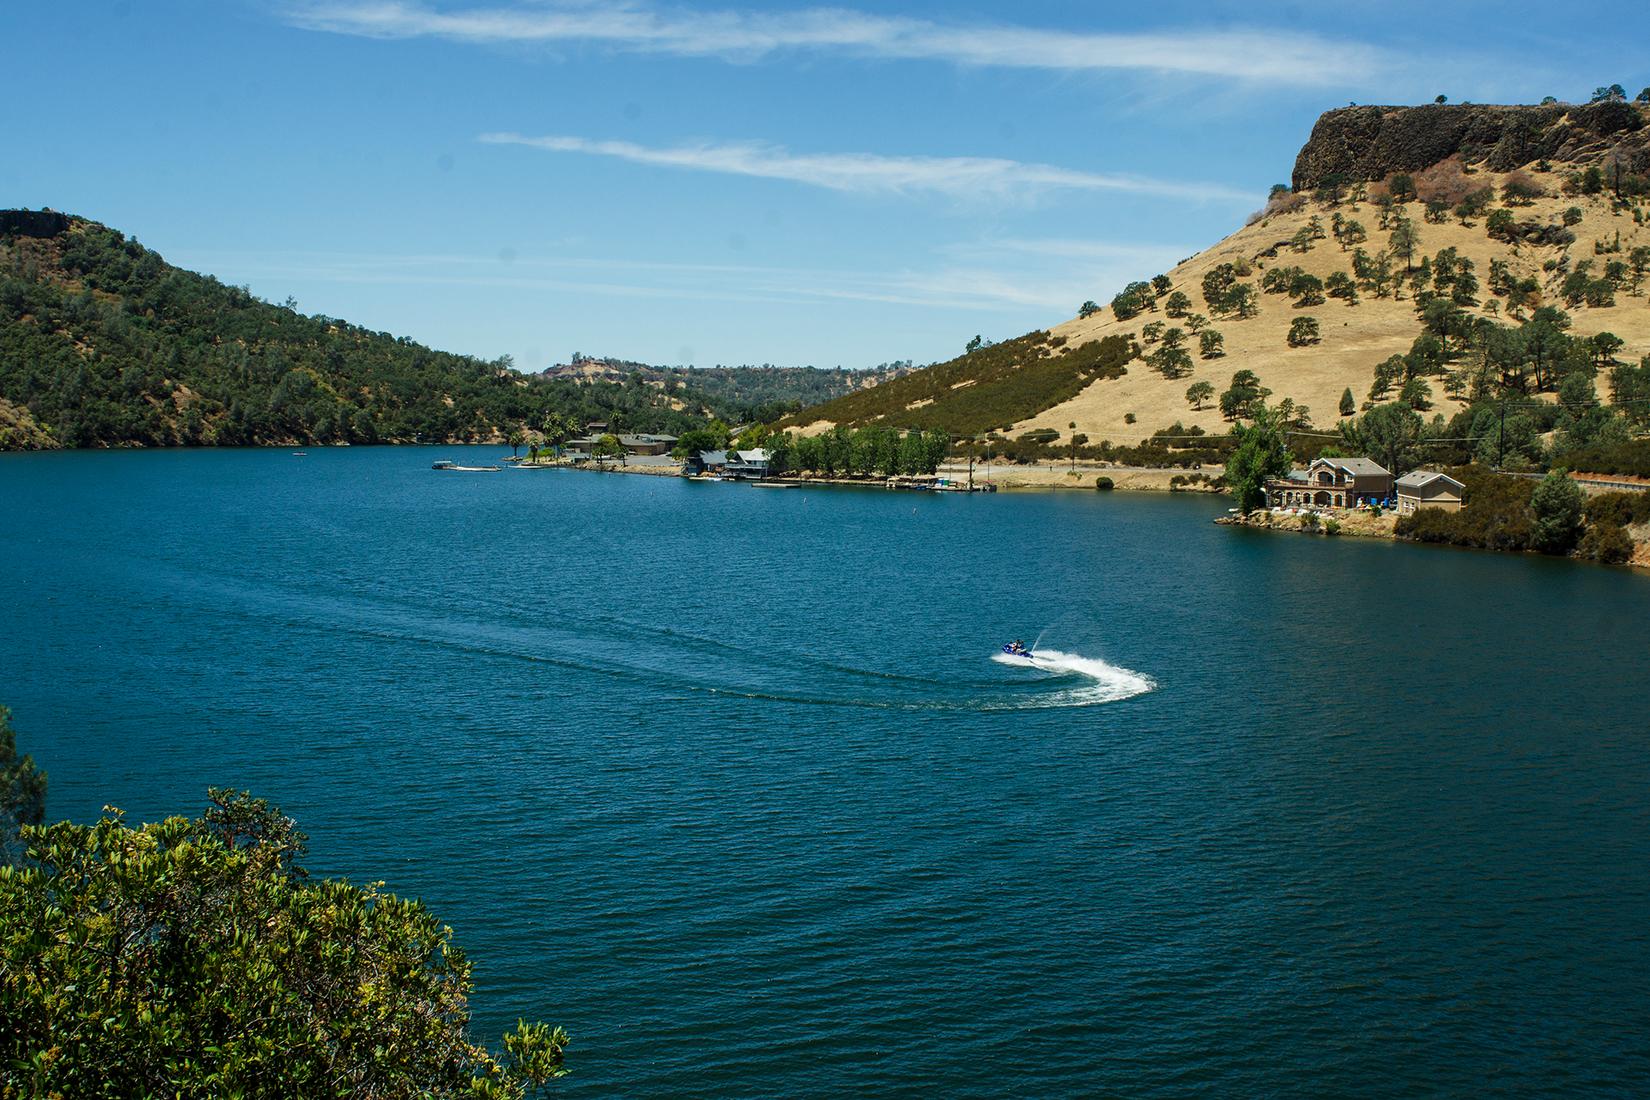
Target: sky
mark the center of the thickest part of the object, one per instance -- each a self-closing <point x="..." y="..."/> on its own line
<point x="708" y="183"/>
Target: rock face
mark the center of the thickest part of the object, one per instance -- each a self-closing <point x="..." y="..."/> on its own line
<point x="32" y="223"/>
<point x="1370" y="143"/>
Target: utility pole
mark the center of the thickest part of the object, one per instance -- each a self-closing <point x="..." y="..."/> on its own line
<point x="971" y="464"/>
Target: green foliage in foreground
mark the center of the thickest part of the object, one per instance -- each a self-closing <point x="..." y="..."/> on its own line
<point x="993" y="387"/>
<point x="194" y="958"/>
<point x="22" y="792"/>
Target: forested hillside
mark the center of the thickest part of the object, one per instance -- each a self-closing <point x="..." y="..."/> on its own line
<point x="738" y="395"/>
<point x="103" y="343"/>
<point x="988" y="388"/>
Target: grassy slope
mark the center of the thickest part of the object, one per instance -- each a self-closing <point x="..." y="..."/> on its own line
<point x="984" y="390"/>
<point x="993" y="388"/>
<point x="1355" y="338"/>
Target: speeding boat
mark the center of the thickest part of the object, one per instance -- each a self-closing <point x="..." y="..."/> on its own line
<point x="1017" y="648"/>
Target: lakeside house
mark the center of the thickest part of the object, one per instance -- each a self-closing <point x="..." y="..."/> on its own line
<point x="749" y="465"/>
<point x="1429" y="489"/>
<point x="744" y="465"/>
<point x="704" y="462"/>
<point x="1332" y="483"/>
<point x="580" y="449"/>
<point x="647" y="444"/>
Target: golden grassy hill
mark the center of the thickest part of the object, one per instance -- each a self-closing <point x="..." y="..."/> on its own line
<point x="1354" y="337"/>
<point x="1084" y="372"/>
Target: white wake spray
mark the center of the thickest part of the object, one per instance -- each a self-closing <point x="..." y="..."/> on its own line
<point x="1106" y="682"/>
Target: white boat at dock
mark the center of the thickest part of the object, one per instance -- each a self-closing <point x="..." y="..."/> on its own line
<point x="449" y="465"/>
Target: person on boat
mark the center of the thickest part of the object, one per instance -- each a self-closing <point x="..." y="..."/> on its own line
<point x="1016" y="648"/>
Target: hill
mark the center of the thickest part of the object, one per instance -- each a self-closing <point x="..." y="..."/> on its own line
<point x="1384" y="199"/>
<point x="737" y="395"/>
<point x="103" y="343"/>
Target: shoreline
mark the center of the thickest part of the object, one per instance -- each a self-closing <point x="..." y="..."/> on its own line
<point x="1384" y="527"/>
<point x="1032" y="477"/>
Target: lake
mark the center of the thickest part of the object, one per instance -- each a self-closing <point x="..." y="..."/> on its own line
<point x="726" y="780"/>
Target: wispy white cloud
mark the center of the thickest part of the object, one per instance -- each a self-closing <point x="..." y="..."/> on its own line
<point x="870" y="173"/>
<point x="1009" y="277"/>
<point x="1287" y="57"/>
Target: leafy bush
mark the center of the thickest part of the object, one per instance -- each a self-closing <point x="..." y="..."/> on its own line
<point x="1621" y="509"/>
<point x="1496" y="515"/>
<point x="195" y="958"/>
<point x="1104" y="484"/>
<point x="1631" y="459"/>
<point x="1605" y="542"/>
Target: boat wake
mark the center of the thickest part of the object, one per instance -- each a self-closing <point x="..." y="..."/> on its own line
<point x="1097" y="681"/>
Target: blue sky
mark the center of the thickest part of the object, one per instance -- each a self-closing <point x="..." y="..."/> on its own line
<point x="709" y="183"/>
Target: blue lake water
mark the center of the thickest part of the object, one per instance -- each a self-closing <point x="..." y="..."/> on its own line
<point x="726" y="781"/>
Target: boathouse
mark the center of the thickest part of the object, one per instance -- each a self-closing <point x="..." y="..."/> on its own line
<point x="1429" y="489"/>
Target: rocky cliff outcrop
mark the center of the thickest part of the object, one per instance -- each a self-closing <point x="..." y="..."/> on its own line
<point x="1370" y="143"/>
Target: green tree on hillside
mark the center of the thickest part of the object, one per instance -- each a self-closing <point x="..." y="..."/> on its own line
<point x="1261" y="454"/>
<point x="196" y="958"/>
<point x="1349" y="404"/>
<point x="1211" y="344"/>
<point x="1303" y="331"/>
<point x="1087" y="309"/>
<point x="1404" y="242"/>
<point x="1390" y="434"/>
<point x="1198" y="393"/>
<point x="1243" y="396"/>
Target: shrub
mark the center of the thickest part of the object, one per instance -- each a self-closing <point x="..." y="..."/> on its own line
<point x="1104" y="484"/>
<point x="1632" y="459"/>
<point x="1475" y="203"/>
<point x="1332" y="526"/>
<point x="1445" y="182"/>
<point x="1605" y="542"/>
<point x="196" y="958"/>
<point x="1496" y="516"/>
<point x="1520" y="190"/>
<point x="1128" y="418"/>
<point x="1621" y="509"/>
